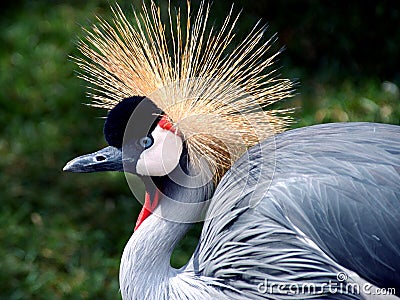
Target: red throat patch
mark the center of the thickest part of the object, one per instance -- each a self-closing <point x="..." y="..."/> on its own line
<point x="147" y="208"/>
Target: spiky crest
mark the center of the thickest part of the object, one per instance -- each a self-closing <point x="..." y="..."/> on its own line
<point x="214" y="98"/>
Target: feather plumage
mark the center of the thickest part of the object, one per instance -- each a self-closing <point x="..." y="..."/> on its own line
<point x="215" y="98"/>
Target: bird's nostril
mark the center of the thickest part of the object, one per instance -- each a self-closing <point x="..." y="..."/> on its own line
<point x="100" y="158"/>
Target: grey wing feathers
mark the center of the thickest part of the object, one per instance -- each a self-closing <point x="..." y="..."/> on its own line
<point x="336" y="184"/>
<point x="349" y="202"/>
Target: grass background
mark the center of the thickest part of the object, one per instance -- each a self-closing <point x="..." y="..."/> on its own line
<point x="61" y="235"/>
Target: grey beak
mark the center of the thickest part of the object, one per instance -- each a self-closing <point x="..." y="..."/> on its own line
<point x="106" y="159"/>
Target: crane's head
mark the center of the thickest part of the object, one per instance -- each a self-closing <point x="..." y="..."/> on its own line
<point x="207" y="105"/>
<point x="216" y="101"/>
<point x="152" y="147"/>
<point x="142" y="141"/>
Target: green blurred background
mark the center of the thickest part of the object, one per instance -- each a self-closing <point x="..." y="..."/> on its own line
<point x="61" y="235"/>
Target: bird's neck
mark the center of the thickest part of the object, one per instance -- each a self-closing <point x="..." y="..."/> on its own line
<point x="145" y="265"/>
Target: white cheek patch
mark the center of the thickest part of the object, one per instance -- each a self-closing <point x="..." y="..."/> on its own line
<point x="163" y="156"/>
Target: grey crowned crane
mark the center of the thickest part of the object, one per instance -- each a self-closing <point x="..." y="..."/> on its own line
<point x="294" y="214"/>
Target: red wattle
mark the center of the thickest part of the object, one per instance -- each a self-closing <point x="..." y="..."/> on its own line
<point x="164" y="123"/>
<point x="147" y="208"/>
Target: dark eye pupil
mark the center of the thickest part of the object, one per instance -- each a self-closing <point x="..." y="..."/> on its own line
<point x="146" y="142"/>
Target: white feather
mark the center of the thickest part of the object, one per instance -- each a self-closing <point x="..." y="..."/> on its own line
<point x="163" y="156"/>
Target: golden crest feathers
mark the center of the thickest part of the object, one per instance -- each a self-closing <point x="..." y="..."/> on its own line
<point x="214" y="97"/>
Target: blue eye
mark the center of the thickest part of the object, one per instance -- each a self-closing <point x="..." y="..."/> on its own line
<point x="146" y="142"/>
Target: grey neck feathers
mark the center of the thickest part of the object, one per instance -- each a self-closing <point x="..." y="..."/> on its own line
<point x="145" y="267"/>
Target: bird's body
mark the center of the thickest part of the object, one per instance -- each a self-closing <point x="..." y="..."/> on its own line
<point x="344" y="197"/>
<point x="295" y="213"/>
